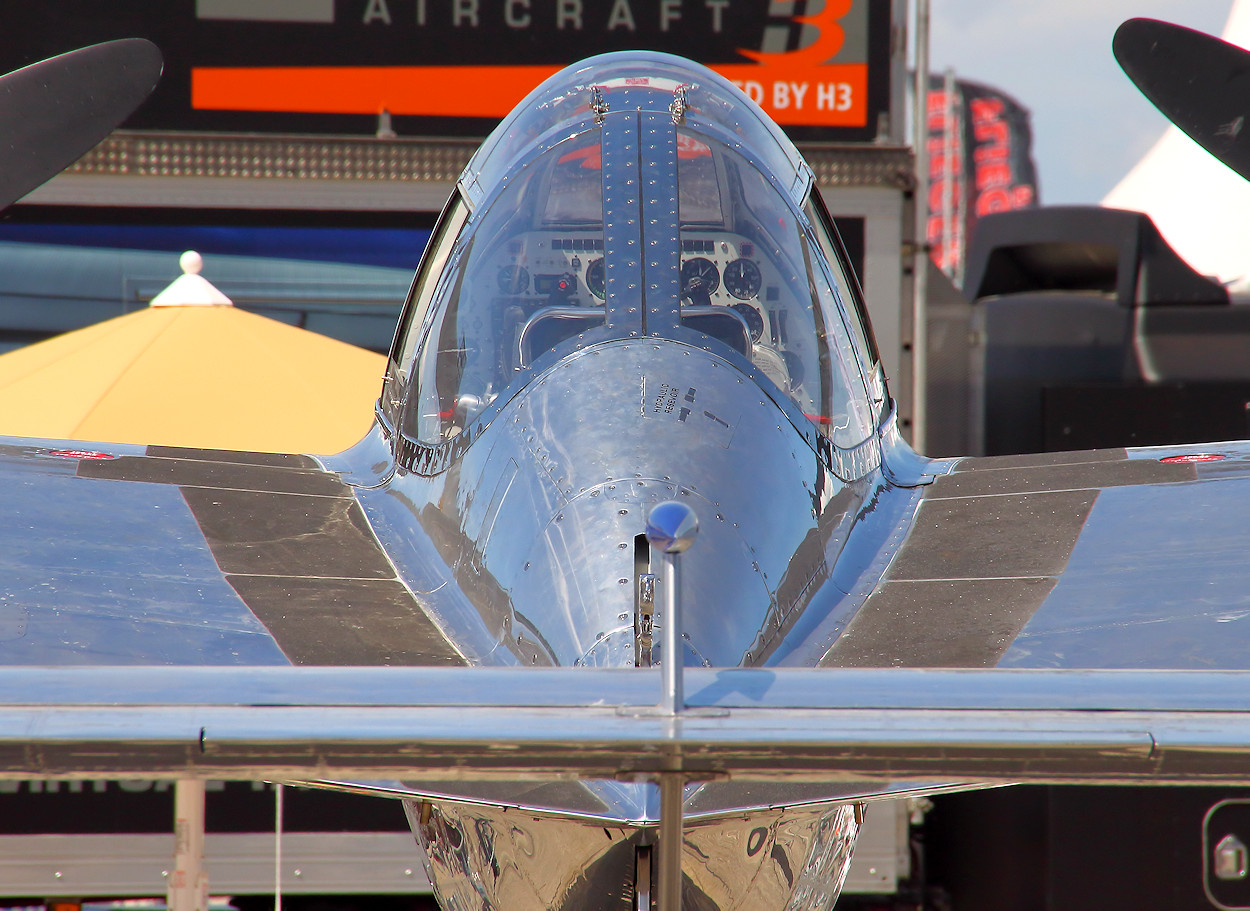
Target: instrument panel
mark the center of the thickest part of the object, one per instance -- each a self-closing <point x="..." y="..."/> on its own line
<point x="717" y="268"/>
<point x="538" y="270"/>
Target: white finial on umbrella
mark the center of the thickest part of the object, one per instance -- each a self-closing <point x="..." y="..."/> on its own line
<point x="191" y="289"/>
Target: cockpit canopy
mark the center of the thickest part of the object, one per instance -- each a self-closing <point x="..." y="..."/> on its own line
<point x="648" y="79"/>
<point x="635" y="195"/>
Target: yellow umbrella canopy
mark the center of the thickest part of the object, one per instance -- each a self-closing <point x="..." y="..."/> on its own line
<point x="192" y="371"/>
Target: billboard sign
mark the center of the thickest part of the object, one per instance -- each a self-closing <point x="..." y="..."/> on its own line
<point x="820" y="68"/>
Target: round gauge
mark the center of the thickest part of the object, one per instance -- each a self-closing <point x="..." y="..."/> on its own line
<point x="742" y="279"/>
<point x="596" y="278"/>
<point x="754" y="321"/>
<point x="701" y="271"/>
<point x="513" y="279"/>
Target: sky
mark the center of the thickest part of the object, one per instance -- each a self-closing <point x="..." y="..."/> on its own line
<point x="1090" y="125"/>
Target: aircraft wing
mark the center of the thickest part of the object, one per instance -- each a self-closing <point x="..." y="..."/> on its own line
<point x="133" y="555"/>
<point x="1103" y="559"/>
<point x="1117" y="559"/>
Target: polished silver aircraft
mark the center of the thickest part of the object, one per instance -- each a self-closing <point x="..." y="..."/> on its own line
<point x="635" y="317"/>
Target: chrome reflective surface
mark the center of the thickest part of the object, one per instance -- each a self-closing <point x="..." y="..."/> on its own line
<point x="859" y="731"/>
<point x="481" y="857"/>
<point x="535" y="529"/>
<point x="672" y="527"/>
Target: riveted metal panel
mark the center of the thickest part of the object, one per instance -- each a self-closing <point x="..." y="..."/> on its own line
<point x="660" y="243"/>
<point x="622" y="240"/>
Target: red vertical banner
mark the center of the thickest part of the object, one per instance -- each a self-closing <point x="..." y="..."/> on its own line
<point x="980" y="161"/>
<point x="946" y="204"/>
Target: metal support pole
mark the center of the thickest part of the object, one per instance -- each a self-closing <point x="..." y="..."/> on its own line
<point x="920" y="279"/>
<point x="671" y="528"/>
<point x="278" y="794"/>
<point x="673" y="699"/>
<point x="672" y="786"/>
<point x="188" y="883"/>
<point x="642" y="878"/>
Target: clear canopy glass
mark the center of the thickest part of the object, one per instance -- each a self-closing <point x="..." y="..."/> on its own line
<point x="530" y="273"/>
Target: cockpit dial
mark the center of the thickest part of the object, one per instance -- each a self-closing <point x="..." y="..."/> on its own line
<point x="699" y="273"/>
<point x="596" y="278"/>
<point x="753" y="319"/>
<point x="742" y="279"/>
<point x="513" y="279"/>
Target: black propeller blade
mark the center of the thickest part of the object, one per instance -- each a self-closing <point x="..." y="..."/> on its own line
<point x="54" y="111"/>
<point x="1198" y="81"/>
